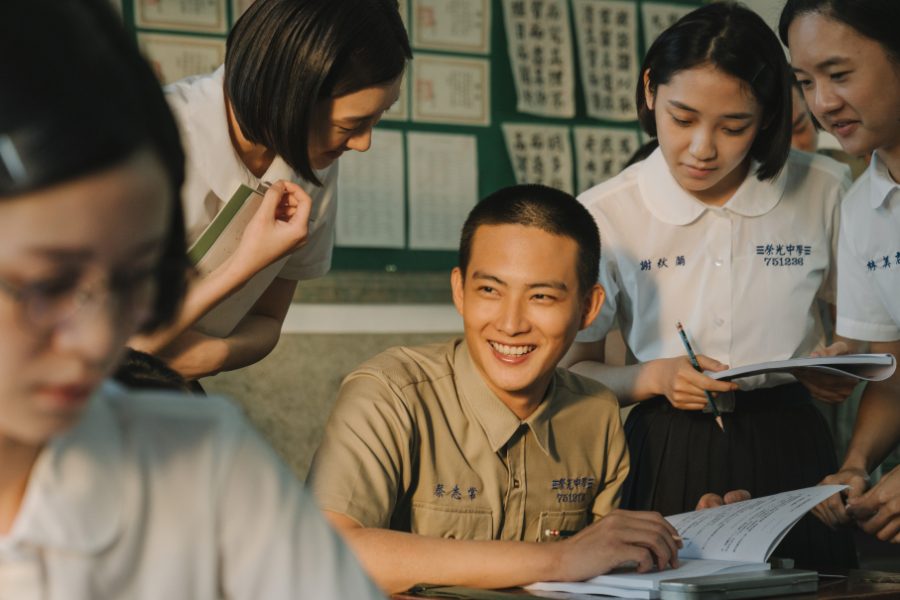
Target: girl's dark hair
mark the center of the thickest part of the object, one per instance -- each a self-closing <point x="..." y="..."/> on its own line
<point x="77" y="98"/>
<point x="285" y="56"/>
<point x="545" y="208"/>
<point x="736" y="41"/>
<point x="142" y="371"/>
<point x="874" y="19"/>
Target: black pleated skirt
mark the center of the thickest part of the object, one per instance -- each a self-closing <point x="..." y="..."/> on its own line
<point x="776" y="440"/>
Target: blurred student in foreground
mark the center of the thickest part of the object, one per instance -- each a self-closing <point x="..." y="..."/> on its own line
<point x="107" y="493"/>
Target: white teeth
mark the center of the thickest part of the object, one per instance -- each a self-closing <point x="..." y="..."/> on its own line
<point x="512" y="350"/>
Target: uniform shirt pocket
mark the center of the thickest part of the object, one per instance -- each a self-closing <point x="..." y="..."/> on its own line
<point x="554" y="525"/>
<point x="468" y="523"/>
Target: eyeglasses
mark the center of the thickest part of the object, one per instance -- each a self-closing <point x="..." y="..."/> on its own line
<point x="49" y="304"/>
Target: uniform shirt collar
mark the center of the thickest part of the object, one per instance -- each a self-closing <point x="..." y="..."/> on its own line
<point x="211" y="142"/>
<point x="670" y="203"/>
<point x="499" y="423"/>
<point x="74" y="496"/>
<point x="882" y="184"/>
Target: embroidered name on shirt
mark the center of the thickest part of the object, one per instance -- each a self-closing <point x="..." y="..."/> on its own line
<point x="783" y="255"/>
<point x="662" y="263"/>
<point x="883" y="262"/>
<point x="455" y="492"/>
<point x="572" y="490"/>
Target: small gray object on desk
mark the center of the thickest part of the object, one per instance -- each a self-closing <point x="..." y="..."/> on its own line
<point x="758" y="584"/>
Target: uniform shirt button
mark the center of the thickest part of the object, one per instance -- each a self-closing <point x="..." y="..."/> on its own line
<point x="719" y="262"/>
<point x="719" y="322"/>
<point x="516" y="483"/>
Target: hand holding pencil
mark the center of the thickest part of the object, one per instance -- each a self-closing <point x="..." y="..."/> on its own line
<point x="693" y="358"/>
<point x="683" y="384"/>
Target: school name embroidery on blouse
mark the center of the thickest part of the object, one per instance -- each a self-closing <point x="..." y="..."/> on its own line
<point x="884" y="262"/>
<point x="455" y="493"/>
<point x="783" y="255"/>
<point x="571" y="490"/>
<point x="662" y="263"/>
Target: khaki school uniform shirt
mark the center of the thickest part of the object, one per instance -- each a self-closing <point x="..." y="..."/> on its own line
<point x="417" y="442"/>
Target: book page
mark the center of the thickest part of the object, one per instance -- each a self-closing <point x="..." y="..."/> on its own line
<point x="746" y="531"/>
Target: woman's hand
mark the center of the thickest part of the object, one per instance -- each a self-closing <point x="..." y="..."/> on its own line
<point x="683" y="385"/>
<point x="833" y="389"/>
<point x="832" y="511"/>
<point x="279" y="227"/>
<point x="644" y="540"/>
<point x="877" y="511"/>
<point x="712" y="500"/>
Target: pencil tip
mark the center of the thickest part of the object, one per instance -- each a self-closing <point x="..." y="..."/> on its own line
<point x="721" y="424"/>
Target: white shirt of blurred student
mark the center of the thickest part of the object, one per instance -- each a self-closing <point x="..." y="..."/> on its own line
<point x="107" y="494"/>
<point x="869" y="258"/>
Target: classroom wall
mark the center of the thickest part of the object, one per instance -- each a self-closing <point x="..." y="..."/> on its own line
<point x="289" y="394"/>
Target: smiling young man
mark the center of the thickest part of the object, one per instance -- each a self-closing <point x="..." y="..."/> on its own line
<point x="446" y="463"/>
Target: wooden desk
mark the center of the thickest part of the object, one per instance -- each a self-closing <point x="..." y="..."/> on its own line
<point x="858" y="584"/>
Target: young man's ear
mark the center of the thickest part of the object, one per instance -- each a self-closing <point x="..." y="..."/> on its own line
<point x="648" y="93"/>
<point x="457" y="284"/>
<point x="593" y="302"/>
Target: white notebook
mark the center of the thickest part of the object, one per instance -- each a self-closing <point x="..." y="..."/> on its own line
<point x="868" y="367"/>
<point x="735" y="538"/>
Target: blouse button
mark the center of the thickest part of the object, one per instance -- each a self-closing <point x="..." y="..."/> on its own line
<point x="718" y="262"/>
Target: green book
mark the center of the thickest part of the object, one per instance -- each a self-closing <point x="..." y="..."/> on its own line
<point x="219" y="241"/>
<point x="218" y="225"/>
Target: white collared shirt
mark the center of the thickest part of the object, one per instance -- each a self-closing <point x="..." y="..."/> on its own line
<point x="742" y="278"/>
<point x="156" y="495"/>
<point x="214" y="171"/>
<point x="869" y="258"/>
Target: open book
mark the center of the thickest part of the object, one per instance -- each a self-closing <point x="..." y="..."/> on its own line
<point x="734" y="538"/>
<point x="870" y="367"/>
<point x="220" y="240"/>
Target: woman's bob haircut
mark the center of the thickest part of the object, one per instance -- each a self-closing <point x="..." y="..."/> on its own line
<point x="79" y="101"/>
<point x="285" y="56"/>
<point x="736" y="41"/>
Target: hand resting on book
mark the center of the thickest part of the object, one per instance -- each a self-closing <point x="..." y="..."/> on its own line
<point x="643" y="540"/>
